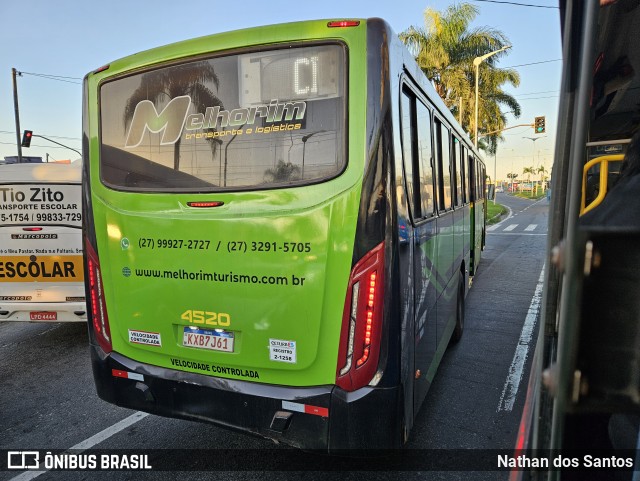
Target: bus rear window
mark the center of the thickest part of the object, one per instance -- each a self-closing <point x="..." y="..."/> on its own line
<point x="256" y="120"/>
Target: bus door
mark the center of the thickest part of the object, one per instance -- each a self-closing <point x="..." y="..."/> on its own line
<point x="445" y="271"/>
<point x="465" y="193"/>
<point x="459" y="221"/>
<point x="477" y="212"/>
<point x="419" y="176"/>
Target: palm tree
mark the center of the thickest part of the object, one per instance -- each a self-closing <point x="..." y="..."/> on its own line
<point x="445" y="50"/>
<point x="542" y="171"/>
<point x="283" y="172"/>
<point x="166" y="84"/>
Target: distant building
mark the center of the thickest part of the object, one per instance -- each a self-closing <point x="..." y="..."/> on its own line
<point x="13" y="159"/>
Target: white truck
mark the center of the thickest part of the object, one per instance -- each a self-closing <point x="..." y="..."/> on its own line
<point x="41" y="267"/>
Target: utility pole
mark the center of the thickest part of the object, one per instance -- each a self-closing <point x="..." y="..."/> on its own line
<point x="534" y="147"/>
<point x="533" y="139"/>
<point x="14" y="74"/>
<point x="476" y="63"/>
<point x="495" y="175"/>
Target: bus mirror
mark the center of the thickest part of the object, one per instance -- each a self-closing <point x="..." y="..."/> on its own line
<point x="491" y="192"/>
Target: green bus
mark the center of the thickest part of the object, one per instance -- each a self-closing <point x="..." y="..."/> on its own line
<point x="281" y="224"/>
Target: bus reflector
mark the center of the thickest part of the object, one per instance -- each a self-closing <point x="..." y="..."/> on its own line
<point x="102" y="69"/>
<point x="96" y="295"/>
<point x="362" y="322"/>
<point x="216" y="203"/>
<point x="32" y="229"/>
<point x="306" y="408"/>
<point x="127" y="375"/>
<point x="343" y="23"/>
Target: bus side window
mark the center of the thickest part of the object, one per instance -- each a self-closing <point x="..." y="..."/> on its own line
<point x="483" y="180"/>
<point x="455" y="171"/>
<point x="425" y="155"/>
<point x="479" y="189"/>
<point x="464" y="192"/>
<point x="443" y="165"/>
<point x="472" y="179"/>
<point x="409" y="148"/>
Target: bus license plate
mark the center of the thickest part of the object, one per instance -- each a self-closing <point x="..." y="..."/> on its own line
<point x="43" y="316"/>
<point x="208" y="339"/>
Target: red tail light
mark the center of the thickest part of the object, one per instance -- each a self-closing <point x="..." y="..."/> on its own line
<point x="215" y="203"/>
<point x="96" y="298"/>
<point x="343" y="23"/>
<point x="362" y="322"/>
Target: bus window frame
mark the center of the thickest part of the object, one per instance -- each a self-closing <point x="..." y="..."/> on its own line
<point x="414" y="96"/>
<point x="456" y="145"/>
<point x="430" y="163"/>
<point x="284" y="46"/>
<point x="439" y="124"/>
<point x="411" y="187"/>
<point x="463" y="179"/>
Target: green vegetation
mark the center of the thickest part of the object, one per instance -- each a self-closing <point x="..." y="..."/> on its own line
<point x="494" y="212"/>
<point x="445" y="48"/>
<point x="529" y="195"/>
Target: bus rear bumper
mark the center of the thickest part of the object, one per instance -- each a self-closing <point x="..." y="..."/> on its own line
<point x="43" y="311"/>
<point x="322" y="418"/>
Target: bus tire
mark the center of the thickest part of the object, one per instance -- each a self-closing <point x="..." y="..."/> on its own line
<point x="458" y="330"/>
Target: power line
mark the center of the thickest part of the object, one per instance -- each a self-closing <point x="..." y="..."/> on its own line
<point x="59" y="78"/>
<point x="50" y="75"/>
<point x="534" y="63"/>
<point x="541" y="92"/>
<point x="52" y="136"/>
<point x="538" y="98"/>
<point x="517" y="4"/>
<point x="35" y="145"/>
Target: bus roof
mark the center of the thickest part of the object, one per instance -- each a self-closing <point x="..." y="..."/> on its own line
<point x="46" y="172"/>
<point x="228" y="39"/>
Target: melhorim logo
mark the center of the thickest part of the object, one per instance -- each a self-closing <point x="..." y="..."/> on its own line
<point x="175" y="118"/>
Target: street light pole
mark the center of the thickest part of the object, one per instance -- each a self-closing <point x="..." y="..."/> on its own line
<point x="495" y="175"/>
<point x="534" y="152"/>
<point x="534" y="147"/>
<point x="14" y="74"/>
<point x="476" y="63"/>
<point x="304" y="146"/>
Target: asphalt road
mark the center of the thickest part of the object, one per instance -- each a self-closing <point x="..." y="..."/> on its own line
<point x="48" y="400"/>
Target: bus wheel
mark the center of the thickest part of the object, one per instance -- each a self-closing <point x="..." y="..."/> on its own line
<point x="457" y="331"/>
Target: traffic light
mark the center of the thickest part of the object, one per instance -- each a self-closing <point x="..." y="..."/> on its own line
<point x="26" y="138"/>
<point x="539" y="127"/>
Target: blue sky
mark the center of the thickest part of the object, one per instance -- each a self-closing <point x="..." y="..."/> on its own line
<point x="69" y="38"/>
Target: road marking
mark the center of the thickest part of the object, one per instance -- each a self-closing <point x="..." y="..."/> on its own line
<point x="510" y="228"/>
<point x="89" y="442"/>
<point x="536" y="202"/>
<point x="516" y="370"/>
<point x="495" y="226"/>
<point x="530" y="227"/>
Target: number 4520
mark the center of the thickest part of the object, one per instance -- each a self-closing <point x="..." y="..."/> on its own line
<point x="206" y="318"/>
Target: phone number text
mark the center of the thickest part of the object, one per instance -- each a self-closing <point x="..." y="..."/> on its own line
<point x="41" y="217"/>
<point x="236" y="246"/>
<point x="151" y="243"/>
<point x="259" y="246"/>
